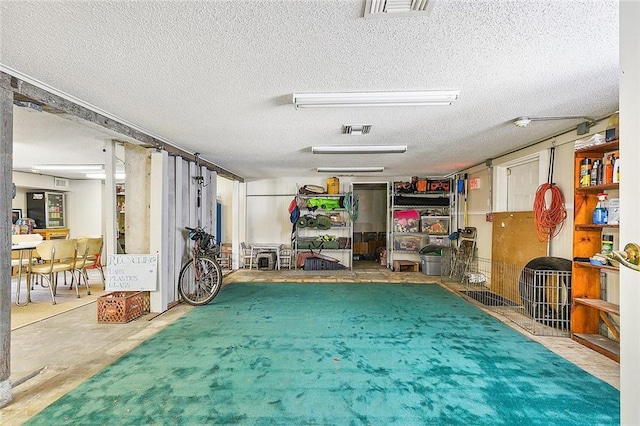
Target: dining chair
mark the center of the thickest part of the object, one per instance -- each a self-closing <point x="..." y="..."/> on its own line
<point x="56" y="256"/>
<point x="224" y="256"/>
<point x="93" y="247"/>
<point x="285" y="258"/>
<point x="80" y="265"/>
<point x="246" y="255"/>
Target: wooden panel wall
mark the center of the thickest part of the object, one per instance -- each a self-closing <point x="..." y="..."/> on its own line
<point x="515" y="243"/>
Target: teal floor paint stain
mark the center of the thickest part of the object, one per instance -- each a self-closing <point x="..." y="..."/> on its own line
<point x="338" y="354"/>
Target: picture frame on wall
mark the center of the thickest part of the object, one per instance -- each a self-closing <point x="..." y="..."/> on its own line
<point x="15" y="215"/>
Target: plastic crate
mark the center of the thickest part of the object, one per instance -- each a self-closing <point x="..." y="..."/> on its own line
<point x="407" y="242"/>
<point x="122" y="306"/>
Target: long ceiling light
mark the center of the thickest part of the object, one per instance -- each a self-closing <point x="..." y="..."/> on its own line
<point x="361" y="99"/>
<point x="359" y="149"/>
<point x="373" y="169"/>
<point x="117" y="176"/>
<point x="67" y="167"/>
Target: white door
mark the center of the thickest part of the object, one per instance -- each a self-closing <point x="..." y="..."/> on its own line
<point x="522" y="183"/>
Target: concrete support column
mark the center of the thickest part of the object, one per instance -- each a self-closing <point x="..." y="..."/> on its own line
<point x="137" y="165"/>
<point x="110" y="225"/>
<point x="6" y="195"/>
<point x="159" y="228"/>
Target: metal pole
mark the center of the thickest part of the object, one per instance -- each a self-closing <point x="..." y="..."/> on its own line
<point x="6" y="195"/>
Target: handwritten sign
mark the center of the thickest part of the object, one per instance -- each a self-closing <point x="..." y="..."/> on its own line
<point x="132" y="272"/>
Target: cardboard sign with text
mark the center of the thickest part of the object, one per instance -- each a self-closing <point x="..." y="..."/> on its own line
<point x="132" y="272"/>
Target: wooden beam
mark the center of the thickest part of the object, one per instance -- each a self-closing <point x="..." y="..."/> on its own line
<point x="55" y="104"/>
<point x="6" y="195"/>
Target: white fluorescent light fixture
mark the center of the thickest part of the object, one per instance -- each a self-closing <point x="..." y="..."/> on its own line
<point x="361" y="99"/>
<point x="373" y="169"/>
<point x="119" y="176"/>
<point x="68" y="167"/>
<point x="359" y="149"/>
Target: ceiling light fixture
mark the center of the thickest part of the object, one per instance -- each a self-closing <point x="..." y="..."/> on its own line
<point x="67" y="167"/>
<point x="362" y="99"/>
<point x="582" y="128"/>
<point x="359" y="149"/>
<point x="356" y="129"/>
<point x="373" y="169"/>
<point x="118" y="176"/>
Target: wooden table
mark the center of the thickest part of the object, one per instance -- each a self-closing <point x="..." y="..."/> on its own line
<point x="52" y="233"/>
<point x="24" y="247"/>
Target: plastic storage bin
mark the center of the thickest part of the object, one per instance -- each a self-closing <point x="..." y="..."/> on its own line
<point x="431" y="265"/>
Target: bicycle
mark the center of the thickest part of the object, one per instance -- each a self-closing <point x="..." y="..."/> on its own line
<point x="200" y="278"/>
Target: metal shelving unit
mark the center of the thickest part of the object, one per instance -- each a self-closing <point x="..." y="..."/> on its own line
<point x="416" y="220"/>
<point x="341" y="229"/>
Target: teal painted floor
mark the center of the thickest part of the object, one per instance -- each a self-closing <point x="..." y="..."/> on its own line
<point x="335" y="354"/>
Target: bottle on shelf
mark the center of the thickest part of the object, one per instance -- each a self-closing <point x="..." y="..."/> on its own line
<point x="607" y="244"/>
<point x="585" y="172"/>
<point x="594" y="173"/>
<point x="601" y="213"/>
<point x="608" y="169"/>
<point x="616" y="170"/>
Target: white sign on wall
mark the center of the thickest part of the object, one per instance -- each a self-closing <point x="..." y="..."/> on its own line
<point x="132" y="272"/>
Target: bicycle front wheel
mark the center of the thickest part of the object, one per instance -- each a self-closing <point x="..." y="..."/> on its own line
<point x="200" y="281"/>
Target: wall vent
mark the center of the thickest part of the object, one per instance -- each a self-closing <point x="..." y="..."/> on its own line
<point x="397" y="8"/>
<point x="60" y="183"/>
<point x="356" y="129"/>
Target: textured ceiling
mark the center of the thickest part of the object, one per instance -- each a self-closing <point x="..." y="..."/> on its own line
<point x="216" y="77"/>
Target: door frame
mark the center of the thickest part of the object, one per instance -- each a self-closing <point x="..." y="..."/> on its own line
<point x="500" y="176"/>
<point x="387" y="185"/>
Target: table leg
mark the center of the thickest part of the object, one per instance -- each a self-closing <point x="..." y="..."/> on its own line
<point x="19" y="283"/>
<point x="29" y="276"/>
<point x="251" y="259"/>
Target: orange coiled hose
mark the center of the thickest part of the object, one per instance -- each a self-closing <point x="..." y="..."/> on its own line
<point x="549" y="220"/>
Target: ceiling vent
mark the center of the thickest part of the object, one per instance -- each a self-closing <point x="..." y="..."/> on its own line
<point x="60" y="183"/>
<point x="356" y="129"/>
<point x="397" y="8"/>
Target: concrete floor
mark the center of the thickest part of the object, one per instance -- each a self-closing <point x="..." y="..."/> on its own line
<point x="53" y="356"/>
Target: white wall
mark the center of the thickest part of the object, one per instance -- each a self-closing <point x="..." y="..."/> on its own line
<point x="84" y="208"/>
<point x="225" y="198"/>
<point x="629" y="204"/>
<point x="268" y="202"/>
<point x="372" y="210"/>
<point x="83" y="201"/>
<point x="480" y="200"/>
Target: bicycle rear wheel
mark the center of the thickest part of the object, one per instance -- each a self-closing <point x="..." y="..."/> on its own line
<point x="200" y="281"/>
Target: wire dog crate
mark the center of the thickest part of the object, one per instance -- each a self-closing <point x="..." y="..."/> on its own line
<point x="539" y="301"/>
